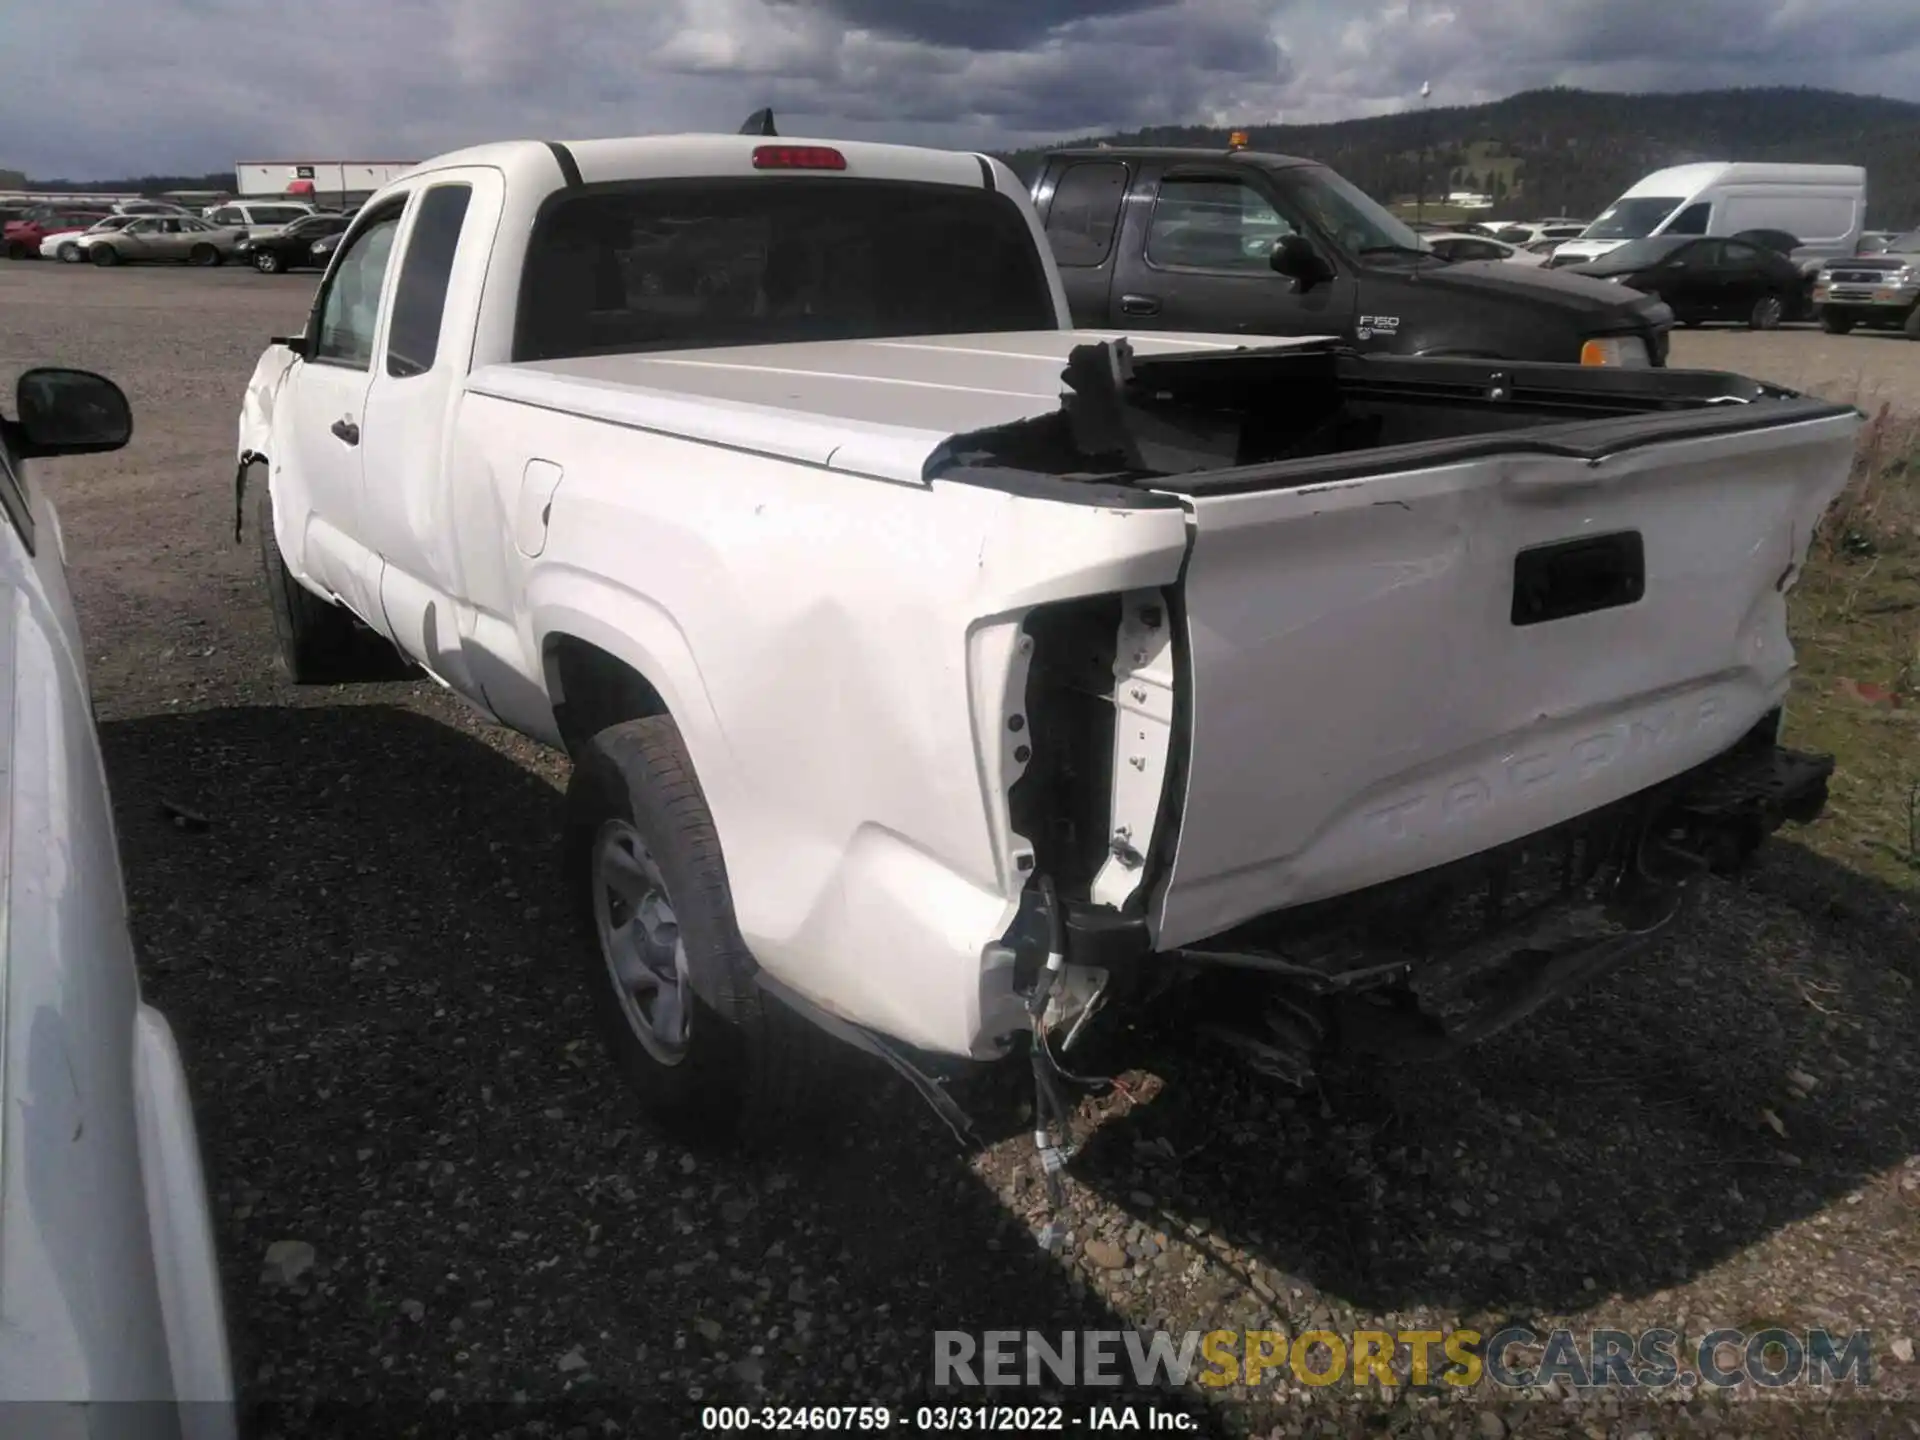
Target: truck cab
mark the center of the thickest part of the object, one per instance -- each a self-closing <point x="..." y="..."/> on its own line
<point x="1237" y="241"/>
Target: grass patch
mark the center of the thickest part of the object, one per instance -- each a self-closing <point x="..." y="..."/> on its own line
<point x="1855" y="618"/>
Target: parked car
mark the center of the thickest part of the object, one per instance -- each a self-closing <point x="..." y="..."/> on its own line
<point x="922" y="658"/>
<point x="1527" y="234"/>
<point x="65" y="244"/>
<point x="107" y="1268"/>
<point x="1875" y="242"/>
<point x="23" y="237"/>
<point x="1879" y="291"/>
<point x="1454" y="246"/>
<point x="1822" y="204"/>
<point x="259" y="217"/>
<point x="162" y="237"/>
<point x="1710" y="279"/>
<point x="294" y="247"/>
<point x="1153" y="238"/>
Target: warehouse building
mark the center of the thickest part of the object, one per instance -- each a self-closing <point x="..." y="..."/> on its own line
<point x="332" y="183"/>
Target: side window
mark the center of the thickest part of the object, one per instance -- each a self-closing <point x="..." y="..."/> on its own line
<point x="413" y="339"/>
<point x="1208" y="223"/>
<point x="1738" y="253"/>
<point x="226" y="217"/>
<point x="350" y="309"/>
<point x="1692" y="220"/>
<point x="1086" y="207"/>
<point x="1704" y="256"/>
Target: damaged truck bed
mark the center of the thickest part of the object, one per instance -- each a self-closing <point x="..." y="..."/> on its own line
<point x="945" y="677"/>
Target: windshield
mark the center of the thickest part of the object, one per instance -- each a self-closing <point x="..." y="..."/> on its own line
<point x="1907" y="244"/>
<point x="667" y="265"/>
<point x="1351" y="218"/>
<point x="1636" y="253"/>
<point x="1631" y="218"/>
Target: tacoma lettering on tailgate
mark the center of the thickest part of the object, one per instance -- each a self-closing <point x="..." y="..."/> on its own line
<point x="1526" y="772"/>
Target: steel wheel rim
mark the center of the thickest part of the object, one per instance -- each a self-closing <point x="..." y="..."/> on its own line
<point x="640" y="942"/>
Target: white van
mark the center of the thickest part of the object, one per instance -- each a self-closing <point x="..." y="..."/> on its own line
<point x="1822" y="206"/>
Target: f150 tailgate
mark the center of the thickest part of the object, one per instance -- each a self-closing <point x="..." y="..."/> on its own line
<point x="1390" y="671"/>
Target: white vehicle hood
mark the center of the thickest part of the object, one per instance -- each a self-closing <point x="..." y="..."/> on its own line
<point x="884" y="408"/>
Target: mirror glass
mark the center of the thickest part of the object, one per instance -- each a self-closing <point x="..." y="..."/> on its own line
<point x="72" y="410"/>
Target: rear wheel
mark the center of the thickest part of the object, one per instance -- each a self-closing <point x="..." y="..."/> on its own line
<point x="643" y="864"/>
<point x="1766" y="314"/>
<point x="203" y="255"/>
<point x="1835" y="322"/>
<point x="104" y="254"/>
<point x="320" y="643"/>
<point x="16" y="250"/>
<point x="267" y="262"/>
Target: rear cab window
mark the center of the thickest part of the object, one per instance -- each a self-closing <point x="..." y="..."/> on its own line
<point x="686" y="264"/>
<point x="420" y="298"/>
<point x="1085" y="211"/>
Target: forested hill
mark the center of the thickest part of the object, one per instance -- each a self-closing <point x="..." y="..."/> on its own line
<point x="1568" y="152"/>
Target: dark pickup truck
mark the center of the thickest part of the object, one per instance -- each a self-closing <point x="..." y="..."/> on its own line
<point x="1236" y="240"/>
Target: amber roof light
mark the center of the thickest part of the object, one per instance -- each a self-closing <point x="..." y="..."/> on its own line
<point x="1237" y="140"/>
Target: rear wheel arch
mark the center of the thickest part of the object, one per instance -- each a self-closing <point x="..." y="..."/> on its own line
<point x="591" y="689"/>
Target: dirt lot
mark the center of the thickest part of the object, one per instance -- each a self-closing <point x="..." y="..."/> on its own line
<point x="1867" y="368"/>
<point x="363" y="959"/>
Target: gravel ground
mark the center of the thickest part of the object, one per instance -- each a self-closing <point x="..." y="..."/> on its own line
<point x="430" y="1191"/>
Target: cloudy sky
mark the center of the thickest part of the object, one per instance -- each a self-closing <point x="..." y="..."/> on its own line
<point x="173" y="86"/>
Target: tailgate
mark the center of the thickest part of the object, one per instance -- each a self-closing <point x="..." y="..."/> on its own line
<point x="1392" y="671"/>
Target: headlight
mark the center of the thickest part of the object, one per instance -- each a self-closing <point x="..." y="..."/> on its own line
<point x="1628" y="351"/>
<point x="319" y="247"/>
<point x="1906" y="275"/>
<point x="1618" y="279"/>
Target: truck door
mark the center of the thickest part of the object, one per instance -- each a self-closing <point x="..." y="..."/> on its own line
<point x="1082" y="200"/>
<point x="317" y="485"/>
<point x="407" y="503"/>
<point x="1195" y="253"/>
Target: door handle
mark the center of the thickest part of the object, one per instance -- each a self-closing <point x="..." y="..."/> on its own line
<point x="345" y="430"/>
<point x="1139" y="304"/>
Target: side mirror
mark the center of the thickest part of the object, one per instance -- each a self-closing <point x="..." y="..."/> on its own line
<point x="70" y="412"/>
<point x="1295" y="257"/>
<point x="296" y="343"/>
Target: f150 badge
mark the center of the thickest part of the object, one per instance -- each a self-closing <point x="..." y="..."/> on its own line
<point x="1383" y="325"/>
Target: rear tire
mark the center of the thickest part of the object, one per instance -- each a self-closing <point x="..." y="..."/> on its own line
<point x="1836" y="322"/>
<point x="104" y="255"/>
<point x="1767" y="313"/>
<point x="16" y="250"/>
<point x="267" y="262"/>
<point x="203" y="255"/>
<point x="320" y="643"/>
<point x="641" y="858"/>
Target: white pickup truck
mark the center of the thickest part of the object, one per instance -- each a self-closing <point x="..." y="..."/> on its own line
<point x="937" y="675"/>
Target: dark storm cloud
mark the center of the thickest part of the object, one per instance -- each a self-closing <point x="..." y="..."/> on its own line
<point x="187" y="85"/>
<point x="971" y="24"/>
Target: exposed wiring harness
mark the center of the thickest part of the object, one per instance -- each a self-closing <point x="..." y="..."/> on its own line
<point x="1052" y="1114"/>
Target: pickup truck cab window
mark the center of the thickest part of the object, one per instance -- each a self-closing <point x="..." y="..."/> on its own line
<point x="1085" y="211"/>
<point x="420" y="298"/>
<point x="658" y="265"/>
<point x="350" y="305"/>
<point x="1209" y="222"/>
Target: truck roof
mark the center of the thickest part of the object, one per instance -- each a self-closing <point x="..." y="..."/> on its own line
<point x="549" y="164"/>
<point x="1261" y="159"/>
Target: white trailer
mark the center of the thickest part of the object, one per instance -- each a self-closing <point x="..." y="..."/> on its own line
<point x="322" y="181"/>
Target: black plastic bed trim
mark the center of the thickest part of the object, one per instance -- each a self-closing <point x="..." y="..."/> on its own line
<point x="569" y="167"/>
